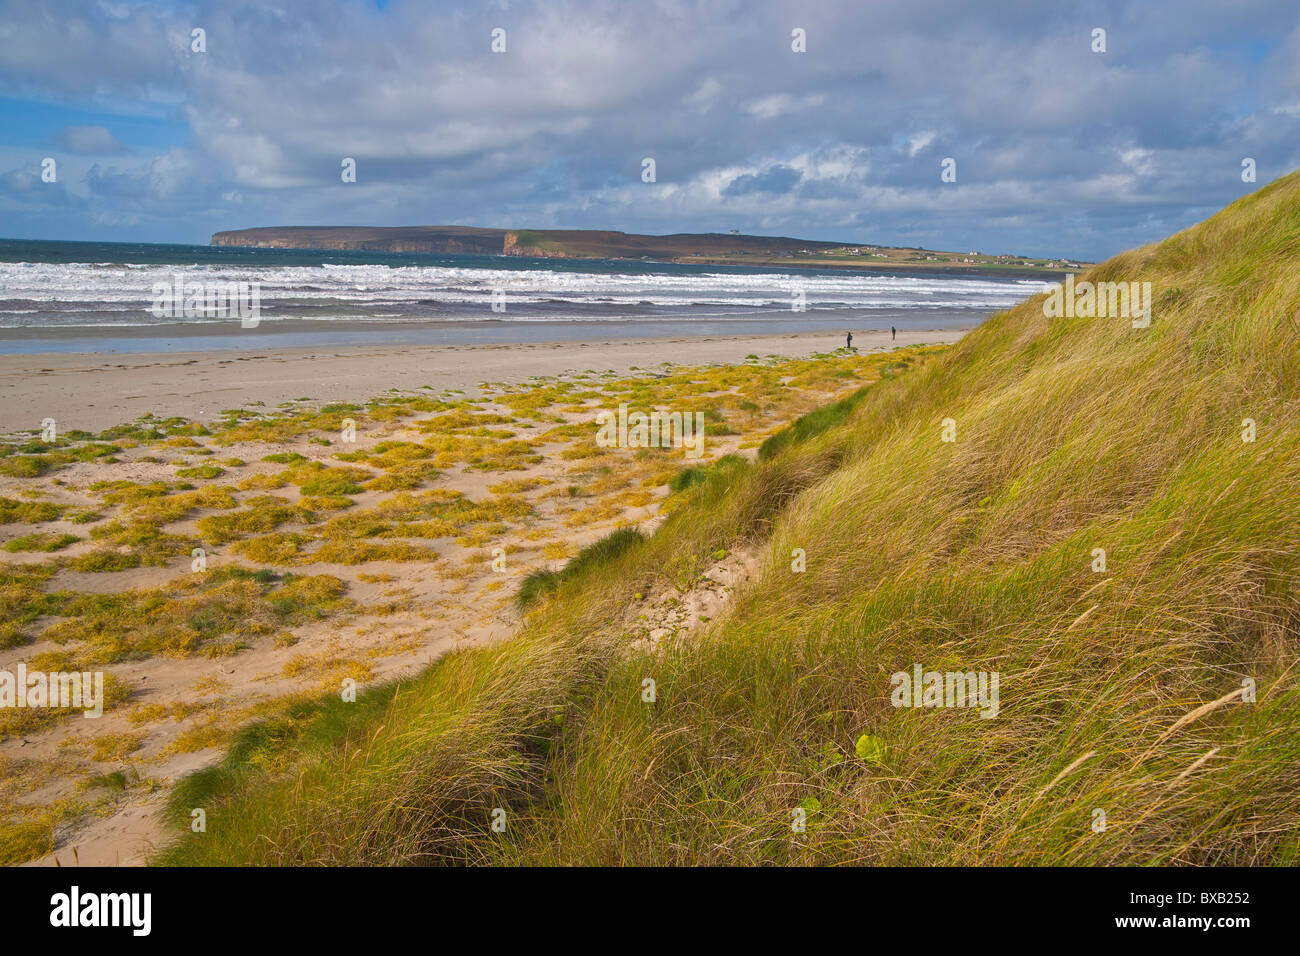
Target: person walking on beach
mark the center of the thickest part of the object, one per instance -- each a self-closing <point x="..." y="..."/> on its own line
<point x="849" y="343"/>
<point x="893" y="333"/>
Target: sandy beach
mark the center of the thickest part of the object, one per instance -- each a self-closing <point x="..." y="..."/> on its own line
<point x="93" y="392"/>
<point x="378" y="553"/>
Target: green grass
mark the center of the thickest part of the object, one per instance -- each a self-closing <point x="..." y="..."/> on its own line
<point x="25" y="466"/>
<point x="20" y="721"/>
<point x="201" y="471"/>
<point x="33" y="459"/>
<point x="23" y="599"/>
<point x="264" y="513"/>
<point x="105" y="560"/>
<point x="542" y="582"/>
<point x="147" y="544"/>
<point x="13" y="511"/>
<point x="811" y="425"/>
<point x="688" y="478"/>
<point x="1119" y="689"/>
<point x="302" y="726"/>
<point x="39" y="541"/>
<point x="212" y="614"/>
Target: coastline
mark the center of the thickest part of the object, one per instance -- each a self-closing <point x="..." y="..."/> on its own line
<point x="97" y="391"/>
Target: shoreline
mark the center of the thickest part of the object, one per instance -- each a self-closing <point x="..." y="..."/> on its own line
<point x="94" y="391"/>
<point x="539" y="326"/>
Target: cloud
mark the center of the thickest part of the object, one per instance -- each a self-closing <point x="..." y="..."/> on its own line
<point x="781" y="104"/>
<point x="1060" y="151"/>
<point x="89" y="141"/>
<point x="919" y="141"/>
<point x="775" y="179"/>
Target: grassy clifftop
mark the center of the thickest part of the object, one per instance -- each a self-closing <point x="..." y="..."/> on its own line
<point x="1125" y="733"/>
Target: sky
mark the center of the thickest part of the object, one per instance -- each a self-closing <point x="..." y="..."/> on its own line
<point x="1059" y="149"/>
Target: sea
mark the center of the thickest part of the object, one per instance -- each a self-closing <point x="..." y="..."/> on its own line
<point x="104" y="297"/>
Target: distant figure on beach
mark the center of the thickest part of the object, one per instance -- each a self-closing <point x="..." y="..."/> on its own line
<point x="893" y="333"/>
<point x="849" y="343"/>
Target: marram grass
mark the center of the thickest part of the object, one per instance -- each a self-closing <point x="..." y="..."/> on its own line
<point x="1121" y="690"/>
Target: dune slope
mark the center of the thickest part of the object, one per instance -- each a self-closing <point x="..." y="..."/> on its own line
<point x="1148" y="712"/>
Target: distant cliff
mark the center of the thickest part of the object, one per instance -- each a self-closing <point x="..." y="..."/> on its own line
<point x="460" y="239"/>
<point x="713" y="248"/>
<point x="545" y="243"/>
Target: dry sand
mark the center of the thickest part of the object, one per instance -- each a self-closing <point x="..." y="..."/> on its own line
<point x="94" y="392"/>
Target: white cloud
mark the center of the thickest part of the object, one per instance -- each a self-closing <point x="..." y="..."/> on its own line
<point x="919" y="141"/>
